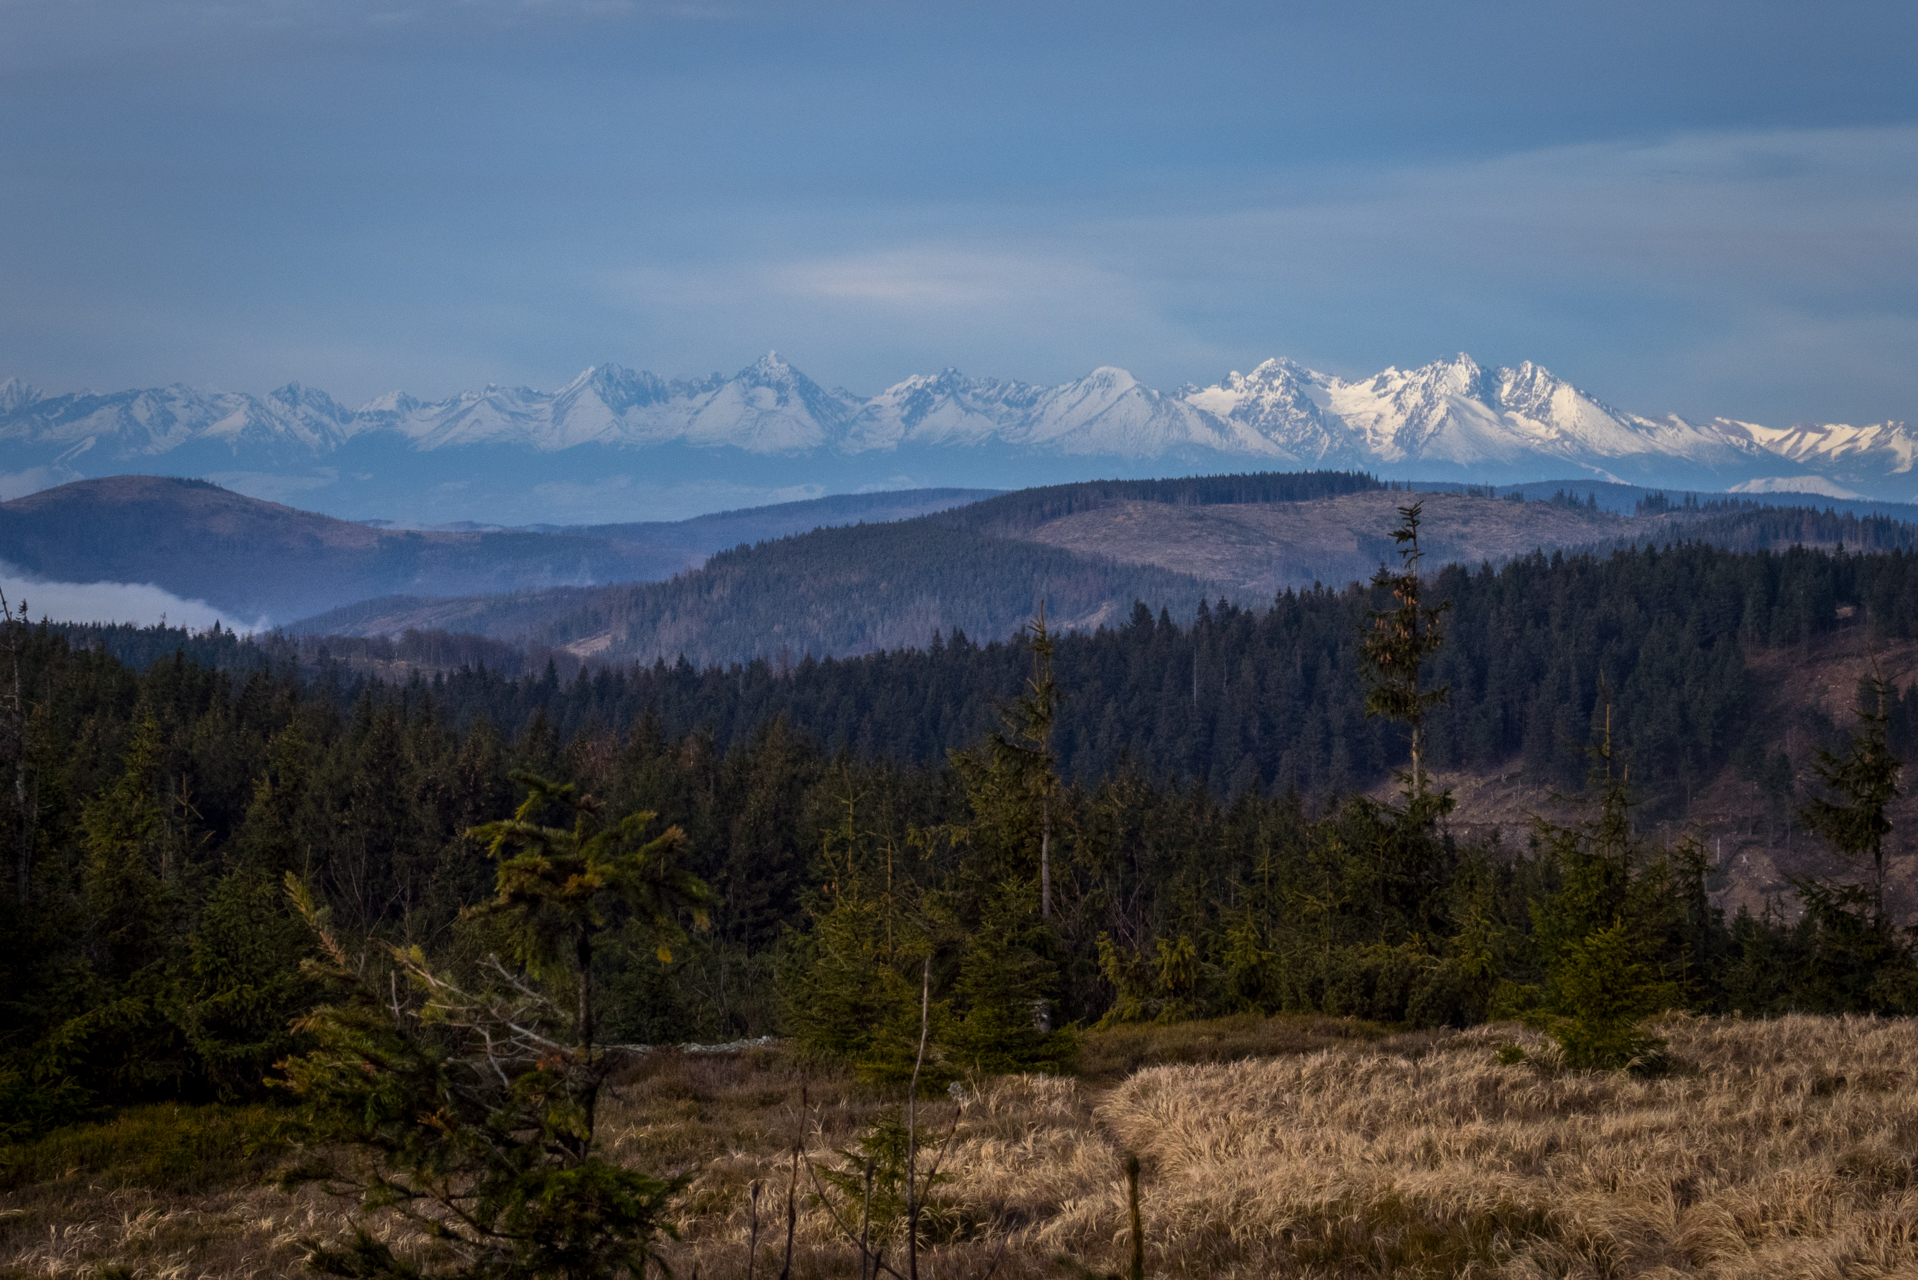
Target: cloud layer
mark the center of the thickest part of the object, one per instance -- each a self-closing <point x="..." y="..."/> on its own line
<point x="142" y="604"/>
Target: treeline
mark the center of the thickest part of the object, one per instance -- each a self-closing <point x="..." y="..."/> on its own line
<point x="227" y="650"/>
<point x="1743" y="526"/>
<point x="1012" y="514"/>
<point x="1239" y="698"/>
<point x="148" y="949"/>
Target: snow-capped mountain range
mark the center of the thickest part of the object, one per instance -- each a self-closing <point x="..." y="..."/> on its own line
<point x="1451" y="419"/>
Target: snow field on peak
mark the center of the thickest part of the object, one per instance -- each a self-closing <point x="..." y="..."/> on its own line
<point x="1450" y="413"/>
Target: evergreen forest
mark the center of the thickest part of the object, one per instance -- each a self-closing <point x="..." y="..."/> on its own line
<point x="1148" y="822"/>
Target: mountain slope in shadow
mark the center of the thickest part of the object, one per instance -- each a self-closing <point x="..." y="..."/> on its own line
<point x="262" y="559"/>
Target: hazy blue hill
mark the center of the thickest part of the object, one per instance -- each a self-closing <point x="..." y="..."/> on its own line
<point x="840" y="591"/>
<point x="1089" y="550"/>
<point x="861" y="589"/>
<point x="756" y="524"/>
<point x="254" y="558"/>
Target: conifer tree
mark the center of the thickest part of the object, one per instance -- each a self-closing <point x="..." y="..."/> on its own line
<point x="1004" y="987"/>
<point x="475" y="1098"/>
<point x="845" y="985"/>
<point x="1863" y="782"/>
<point x="1613" y="938"/>
<point x="1014" y="781"/>
<point x="128" y="866"/>
<point x="1400" y="641"/>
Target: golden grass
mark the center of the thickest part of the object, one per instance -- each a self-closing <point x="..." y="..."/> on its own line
<point x="1786" y="1151"/>
<point x="1783" y="1149"/>
<point x="168" y="1192"/>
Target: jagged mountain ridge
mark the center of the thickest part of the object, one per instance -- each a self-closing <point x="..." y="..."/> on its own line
<point x="1448" y="419"/>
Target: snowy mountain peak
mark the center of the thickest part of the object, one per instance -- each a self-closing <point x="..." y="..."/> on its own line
<point x="1452" y="418"/>
<point x="16" y="395"/>
<point x="295" y="398"/>
<point x="769" y="368"/>
<point x="1276" y="402"/>
<point x="1111" y="377"/>
<point x="393" y="402"/>
<point x="1460" y="376"/>
<point x="616" y="387"/>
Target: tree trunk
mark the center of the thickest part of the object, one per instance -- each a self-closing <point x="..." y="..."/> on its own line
<point x="1045" y="858"/>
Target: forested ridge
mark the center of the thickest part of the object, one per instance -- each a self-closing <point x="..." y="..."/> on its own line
<point x="859" y="588"/>
<point x="1239" y="697"/>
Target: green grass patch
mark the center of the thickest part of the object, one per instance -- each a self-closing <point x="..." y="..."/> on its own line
<point x="186" y="1149"/>
<point x="1393" y="1236"/>
<point x="1116" y="1052"/>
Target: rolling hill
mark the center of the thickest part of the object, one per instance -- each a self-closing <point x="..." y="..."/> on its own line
<point x="262" y="559"/>
<point x="1090" y="550"/>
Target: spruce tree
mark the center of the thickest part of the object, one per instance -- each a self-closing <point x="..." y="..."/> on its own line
<point x="845" y="984"/>
<point x="1862" y="782"/>
<point x="475" y="1096"/>
<point x="1397" y="647"/>
<point x="1614" y="939"/>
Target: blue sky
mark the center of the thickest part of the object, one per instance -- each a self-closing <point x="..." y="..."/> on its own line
<point x="1687" y="207"/>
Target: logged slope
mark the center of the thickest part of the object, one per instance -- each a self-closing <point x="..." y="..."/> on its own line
<point x="834" y="591"/>
<point x="983" y="567"/>
<point x="1263" y="548"/>
<point x="256" y="558"/>
<point x="974" y="568"/>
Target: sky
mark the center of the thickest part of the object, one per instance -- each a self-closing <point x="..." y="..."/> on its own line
<point x="1695" y="208"/>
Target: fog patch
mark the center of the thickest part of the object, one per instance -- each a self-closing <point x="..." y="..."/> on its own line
<point x="18" y="484"/>
<point x="1815" y="486"/>
<point x="139" y="603"/>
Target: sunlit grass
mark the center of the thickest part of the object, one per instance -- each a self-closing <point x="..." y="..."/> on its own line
<point x="1272" y="1147"/>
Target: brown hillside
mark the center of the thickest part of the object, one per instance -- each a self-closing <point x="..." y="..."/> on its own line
<point x="258" y="558"/>
<point x="168" y="507"/>
<point x="1265" y="547"/>
<point x="1756" y="845"/>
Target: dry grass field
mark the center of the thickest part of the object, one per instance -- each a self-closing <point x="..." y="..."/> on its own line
<point x="1779" y="1149"/>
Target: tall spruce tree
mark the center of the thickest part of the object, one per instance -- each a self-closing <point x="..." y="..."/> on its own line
<point x="1396" y="648"/>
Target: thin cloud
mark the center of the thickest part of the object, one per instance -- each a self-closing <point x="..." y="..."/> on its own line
<point x="942" y="276"/>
